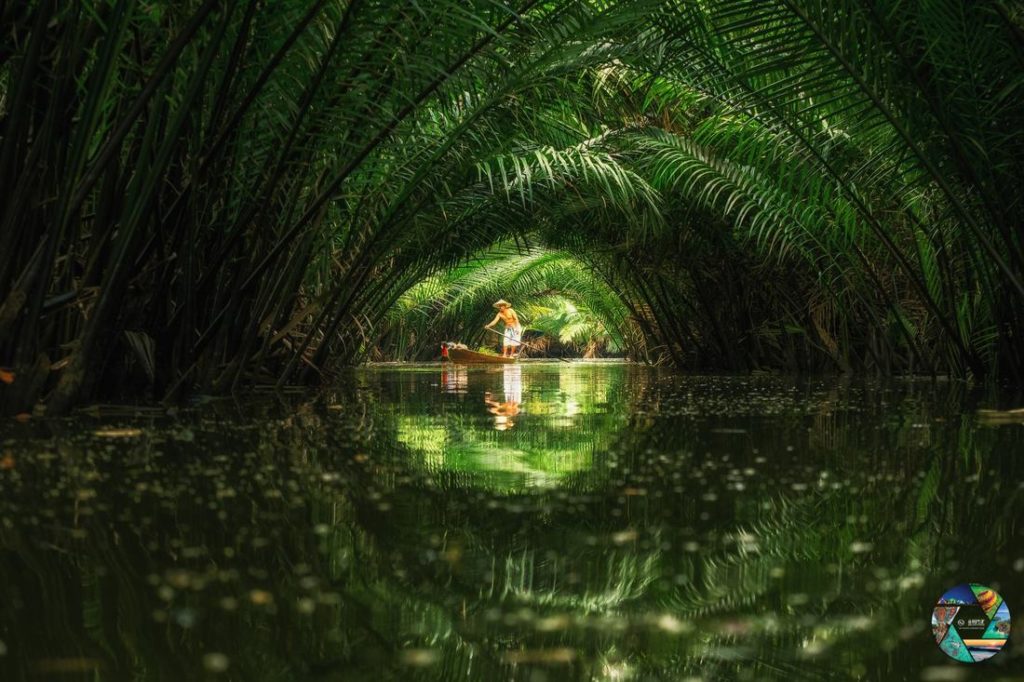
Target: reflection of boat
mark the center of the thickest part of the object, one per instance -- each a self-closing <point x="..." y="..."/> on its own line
<point x="454" y="379"/>
<point x="466" y="356"/>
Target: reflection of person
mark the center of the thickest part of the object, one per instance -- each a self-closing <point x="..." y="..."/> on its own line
<point x="513" y="329"/>
<point x="512" y="380"/>
<point x="505" y="412"/>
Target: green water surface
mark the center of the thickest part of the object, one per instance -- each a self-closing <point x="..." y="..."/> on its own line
<point x="540" y="521"/>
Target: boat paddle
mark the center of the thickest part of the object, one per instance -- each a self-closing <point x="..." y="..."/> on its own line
<point x="495" y="331"/>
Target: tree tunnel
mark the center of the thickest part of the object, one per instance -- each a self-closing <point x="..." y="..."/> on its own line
<point x="565" y="307"/>
<point x="205" y="195"/>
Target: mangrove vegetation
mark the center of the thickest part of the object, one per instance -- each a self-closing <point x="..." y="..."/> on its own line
<point x="203" y="195"/>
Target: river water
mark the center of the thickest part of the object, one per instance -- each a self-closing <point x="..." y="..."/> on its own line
<point x="541" y="521"/>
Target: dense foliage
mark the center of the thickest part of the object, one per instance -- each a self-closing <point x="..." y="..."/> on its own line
<point x="208" y="193"/>
<point x="564" y="308"/>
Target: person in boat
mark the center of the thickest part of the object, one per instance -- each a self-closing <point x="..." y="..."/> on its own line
<point x="513" y="329"/>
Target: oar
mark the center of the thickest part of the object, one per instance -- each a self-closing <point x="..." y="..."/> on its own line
<point x="523" y="343"/>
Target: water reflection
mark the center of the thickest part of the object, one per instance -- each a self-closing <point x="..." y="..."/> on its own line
<point x="506" y="411"/>
<point x="631" y="525"/>
<point x="454" y="378"/>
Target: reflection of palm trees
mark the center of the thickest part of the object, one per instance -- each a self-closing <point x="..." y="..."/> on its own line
<point x="745" y="587"/>
<point x="621" y="575"/>
<point x="736" y="589"/>
<point x="511" y="569"/>
<point x="564" y="432"/>
<point x="459" y="451"/>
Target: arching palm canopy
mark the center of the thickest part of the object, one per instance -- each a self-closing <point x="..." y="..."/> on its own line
<point x="234" y="192"/>
<point x="554" y="294"/>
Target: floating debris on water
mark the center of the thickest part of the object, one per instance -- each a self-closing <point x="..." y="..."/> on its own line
<point x="421" y="658"/>
<point x="408" y="517"/>
<point x="556" y="656"/>
<point x="672" y="625"/>
<point x="995" y="417"/>
<point x="117" y="433"/>
<point x="216" y="662"/>
<point x="625" y="536"/>
<point x="261" y="597"/>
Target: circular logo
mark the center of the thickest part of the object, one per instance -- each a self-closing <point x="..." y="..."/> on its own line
<point x="971" y="623"/>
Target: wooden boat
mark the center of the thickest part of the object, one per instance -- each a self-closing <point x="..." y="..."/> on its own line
<point x="471" y="357"/>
